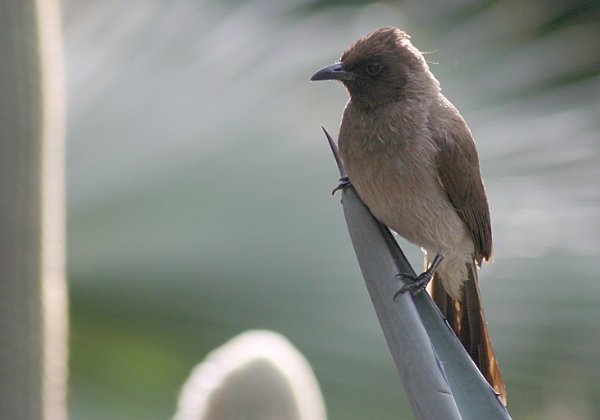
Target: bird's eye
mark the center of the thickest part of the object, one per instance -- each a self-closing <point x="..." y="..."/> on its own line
<point x="373" y="68"/>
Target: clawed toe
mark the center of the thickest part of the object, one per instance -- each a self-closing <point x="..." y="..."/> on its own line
<point x="344" y="183"/>
<point x="416" y="284"/>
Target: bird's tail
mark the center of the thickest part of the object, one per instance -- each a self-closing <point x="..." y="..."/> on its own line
<point x="468" y="322"/>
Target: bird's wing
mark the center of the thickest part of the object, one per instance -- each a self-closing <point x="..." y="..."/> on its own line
<point x="457" y="168"/>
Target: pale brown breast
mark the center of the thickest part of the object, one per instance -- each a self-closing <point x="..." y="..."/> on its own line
<point x="392" y="168"/>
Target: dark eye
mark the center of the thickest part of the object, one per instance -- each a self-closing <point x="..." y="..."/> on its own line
<point x="373" y="68"/>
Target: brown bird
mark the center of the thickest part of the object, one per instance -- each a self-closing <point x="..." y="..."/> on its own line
<point x="412" y="159"/>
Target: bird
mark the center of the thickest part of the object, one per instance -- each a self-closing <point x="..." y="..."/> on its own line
<point x="412" y="159"/>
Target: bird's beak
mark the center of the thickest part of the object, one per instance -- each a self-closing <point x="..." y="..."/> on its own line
<point x="333" y="72"/>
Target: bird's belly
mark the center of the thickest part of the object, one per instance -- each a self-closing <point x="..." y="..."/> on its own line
<point x="414" y="207"/>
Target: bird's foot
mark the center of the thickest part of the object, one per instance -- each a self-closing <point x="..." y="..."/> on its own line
<point x="343" y="184"/>
<point x="416" y="284"/>
<point x="419" y="283"/>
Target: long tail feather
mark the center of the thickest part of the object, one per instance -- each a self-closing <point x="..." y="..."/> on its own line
<point x="467" y="320"/>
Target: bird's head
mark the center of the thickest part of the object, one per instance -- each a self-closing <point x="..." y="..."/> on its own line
<point x="380" y="68"/>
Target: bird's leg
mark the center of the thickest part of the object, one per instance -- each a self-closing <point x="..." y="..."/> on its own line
<point x="419" y="283"/>
<point x="343" y="184"/>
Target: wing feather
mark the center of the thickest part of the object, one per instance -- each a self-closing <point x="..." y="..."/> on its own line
<point x="457" y="166"/>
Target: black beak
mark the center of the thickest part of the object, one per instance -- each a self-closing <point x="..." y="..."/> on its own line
<point x="333" y="72"/>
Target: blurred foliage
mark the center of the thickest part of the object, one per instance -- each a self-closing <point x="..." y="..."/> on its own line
<point x="199" y="202"/>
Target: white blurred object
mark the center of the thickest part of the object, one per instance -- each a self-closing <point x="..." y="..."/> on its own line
<point x="256" y="375"/>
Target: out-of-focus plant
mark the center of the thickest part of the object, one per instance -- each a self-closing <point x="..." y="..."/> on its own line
<point x="258" y="375"/>
<point x="33" y="294"/>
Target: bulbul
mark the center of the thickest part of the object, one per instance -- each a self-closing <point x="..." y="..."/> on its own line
<point x="412" y="159"/>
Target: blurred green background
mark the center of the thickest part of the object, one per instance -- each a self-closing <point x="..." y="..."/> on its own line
<point x="199" y="194"/>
